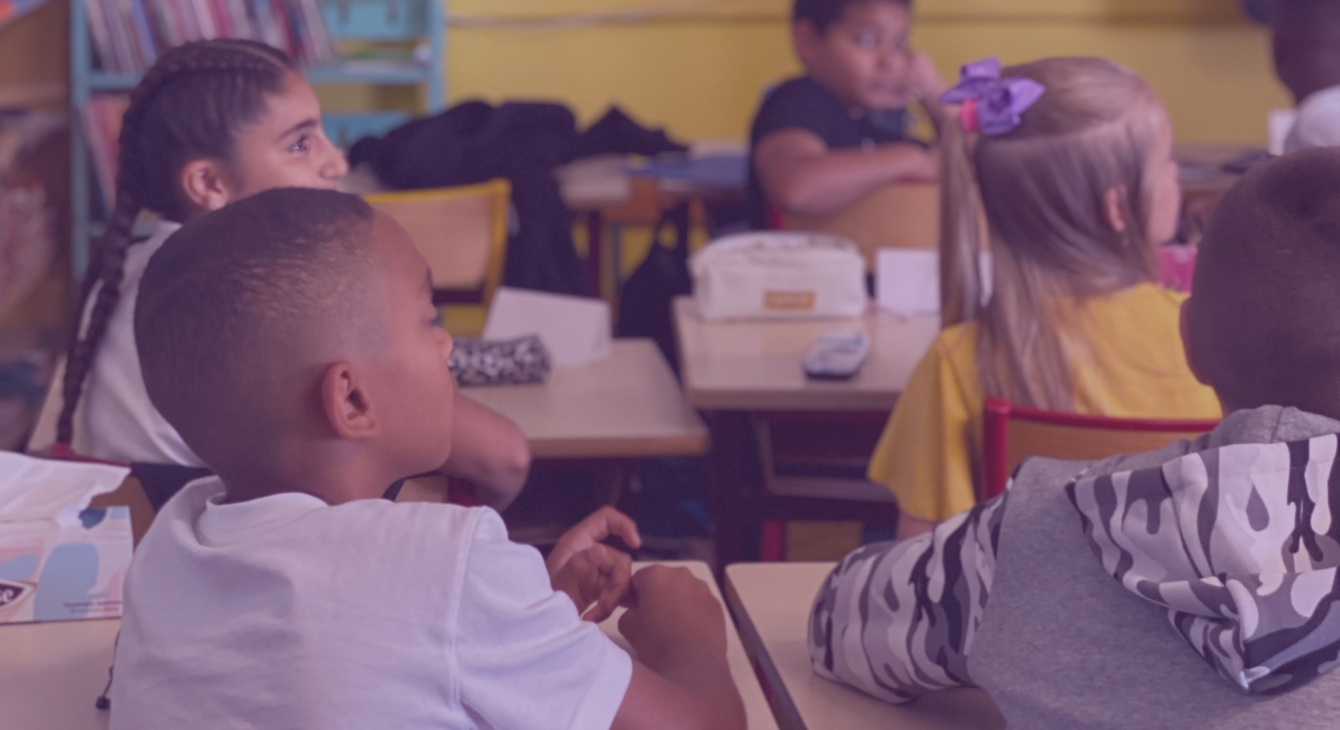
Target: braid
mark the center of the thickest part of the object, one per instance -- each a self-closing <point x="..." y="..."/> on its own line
<point x="108" y="270"/>
<point x="190" y="105"/>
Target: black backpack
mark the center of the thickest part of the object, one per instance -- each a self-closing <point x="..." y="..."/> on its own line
<point x="644" y="308"/>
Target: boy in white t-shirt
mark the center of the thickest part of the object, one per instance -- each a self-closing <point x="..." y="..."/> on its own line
<point x="1306" y="43"/>
<point x="290" y="339"/>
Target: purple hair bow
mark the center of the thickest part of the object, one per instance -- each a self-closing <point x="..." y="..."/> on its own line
<point x="992" y="105"/>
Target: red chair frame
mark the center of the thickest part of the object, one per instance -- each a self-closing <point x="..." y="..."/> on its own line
<point x="999" y="412"/>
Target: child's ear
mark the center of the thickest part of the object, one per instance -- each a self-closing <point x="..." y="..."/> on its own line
<point x="1114" y="200"/>
<point x="204" y="184"/>
<point x="346" y="403"/>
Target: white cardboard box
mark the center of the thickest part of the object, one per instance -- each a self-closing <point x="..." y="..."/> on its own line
<point x="55" y="572"/>
<point x="907" y="281"/>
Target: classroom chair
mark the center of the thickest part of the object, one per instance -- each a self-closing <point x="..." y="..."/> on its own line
<point x="902" y="215"/>
<point x="130" y="494"/>
<point x="1013" y="433"/>
<point x="802" y="479"/>
<point x="813" y="469"/>
<point x="462" y="232"/>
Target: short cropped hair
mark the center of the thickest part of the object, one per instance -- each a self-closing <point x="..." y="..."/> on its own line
<point x="225" y="301"/>
<point x="1264" y="315"/>
<point x="823" y="13"/>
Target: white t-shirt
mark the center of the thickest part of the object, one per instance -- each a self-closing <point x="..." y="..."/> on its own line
<point x="116" y="421"/>
<point x="1318" y="123"/>
<point x="285" y="612"/>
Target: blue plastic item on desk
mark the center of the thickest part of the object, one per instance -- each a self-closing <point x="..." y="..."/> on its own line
<point x="722" y="172"/>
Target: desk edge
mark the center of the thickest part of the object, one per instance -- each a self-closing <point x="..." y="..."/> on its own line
<point x="784" y="709"/>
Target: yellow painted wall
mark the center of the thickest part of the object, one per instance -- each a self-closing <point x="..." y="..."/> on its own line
<point x="701" y="74"/>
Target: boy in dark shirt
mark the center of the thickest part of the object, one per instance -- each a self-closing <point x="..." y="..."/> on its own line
<point x="822" y="141"/>
<point x="1306" y="45"/>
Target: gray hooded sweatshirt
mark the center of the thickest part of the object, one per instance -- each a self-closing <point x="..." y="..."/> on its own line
<point x="1190" y="587"/>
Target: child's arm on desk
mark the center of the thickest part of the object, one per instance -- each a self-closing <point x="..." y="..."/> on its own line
<point x="489" y="451"/>
<point x="801" y="175"/>
<point x="681" y="678"/>
<point x="928" y="594"/>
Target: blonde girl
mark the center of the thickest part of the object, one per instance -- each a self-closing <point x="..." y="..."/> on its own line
<point x="1066" y="166"/>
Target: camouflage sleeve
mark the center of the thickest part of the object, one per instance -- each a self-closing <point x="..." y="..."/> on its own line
<point x="898" y="619"/>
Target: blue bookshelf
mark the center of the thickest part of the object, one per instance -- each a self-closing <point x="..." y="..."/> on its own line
<point x="372" y="21"/>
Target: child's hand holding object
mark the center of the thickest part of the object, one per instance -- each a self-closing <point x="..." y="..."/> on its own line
<point x="592" y="573"/>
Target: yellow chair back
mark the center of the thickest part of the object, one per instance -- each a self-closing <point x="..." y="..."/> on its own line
<point x="461" y="231"/>
<point x="902" y="215"/>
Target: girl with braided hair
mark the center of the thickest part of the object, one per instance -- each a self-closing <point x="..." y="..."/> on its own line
<point x="213" y="122"/>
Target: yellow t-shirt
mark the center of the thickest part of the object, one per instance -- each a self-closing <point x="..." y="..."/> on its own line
<point x="930" y="454"/>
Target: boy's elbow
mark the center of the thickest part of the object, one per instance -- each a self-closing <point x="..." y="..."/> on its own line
<point x="509" y="470"/>
<point x="516" y="461"/>
<point x="499" y="471"/>
<point x="516" y="453"/>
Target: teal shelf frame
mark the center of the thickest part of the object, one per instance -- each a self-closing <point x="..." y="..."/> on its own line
<point x="412" y="21"/>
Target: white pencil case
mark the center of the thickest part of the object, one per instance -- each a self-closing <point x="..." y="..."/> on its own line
<point x="779" y="275"/>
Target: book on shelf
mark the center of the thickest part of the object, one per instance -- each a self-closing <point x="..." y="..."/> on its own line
<point x="128" y="35"/>
<point x="101" y="117"/>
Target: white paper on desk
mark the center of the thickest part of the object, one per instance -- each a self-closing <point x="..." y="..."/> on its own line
<point x="1279" y="123"/>
<point x="46" y="490"/>
<point x="907" y="281"/>
<point x="576" y="330"/>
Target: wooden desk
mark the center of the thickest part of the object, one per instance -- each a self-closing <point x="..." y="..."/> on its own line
<point x="772" y="604"/>
<point x="626" y="406"/>
<point x="756" y="366"/>
<point x="51" y="673"/>
<point x="749" y="378"/>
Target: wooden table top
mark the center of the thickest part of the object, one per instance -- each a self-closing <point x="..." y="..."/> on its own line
<point x="772" y="603"/>
<point x="52" y="673"/>
<point x="756" y="366"/>
<point x="628" y="405"/>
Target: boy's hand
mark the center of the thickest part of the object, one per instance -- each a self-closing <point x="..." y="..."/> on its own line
<point x="590" y="572"/>
<point x="673" y="613"/>
<point x="603" y="523"/>
<point x="924" y="80"/>
<point x="599" y="575"/>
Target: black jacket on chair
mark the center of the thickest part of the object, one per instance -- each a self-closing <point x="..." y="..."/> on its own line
<point x="523" y="142"/>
